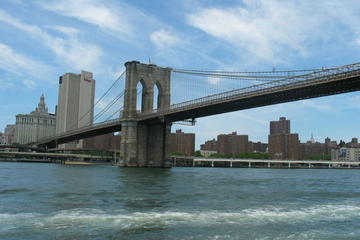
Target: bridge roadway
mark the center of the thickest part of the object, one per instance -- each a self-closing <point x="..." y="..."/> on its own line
<point x="316" y="84"/>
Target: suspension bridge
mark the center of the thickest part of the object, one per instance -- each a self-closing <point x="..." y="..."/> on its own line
<point x="150" y="98"/>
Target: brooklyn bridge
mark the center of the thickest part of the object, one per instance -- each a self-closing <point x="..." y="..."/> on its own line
<point x="184" y="95"/>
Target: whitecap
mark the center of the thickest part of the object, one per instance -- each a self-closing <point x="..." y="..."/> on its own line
<point x="124" y="220"/>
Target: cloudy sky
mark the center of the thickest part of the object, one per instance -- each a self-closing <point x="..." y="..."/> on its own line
<point x="43" y="39"/>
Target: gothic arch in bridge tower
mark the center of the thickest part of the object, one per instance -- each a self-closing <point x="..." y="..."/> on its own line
<point x="143" y="96"/>
<point x="157" y="96"/>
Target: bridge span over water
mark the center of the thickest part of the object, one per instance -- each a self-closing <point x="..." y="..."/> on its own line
<point x="145" y="133"/>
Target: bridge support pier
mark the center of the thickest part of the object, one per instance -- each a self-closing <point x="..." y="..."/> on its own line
<point x="145" y="144"/>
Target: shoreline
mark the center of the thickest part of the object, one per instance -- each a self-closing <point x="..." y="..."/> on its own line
<point x="187" y="164"/>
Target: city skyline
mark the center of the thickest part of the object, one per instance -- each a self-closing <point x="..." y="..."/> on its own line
<point x="177" y="39"/>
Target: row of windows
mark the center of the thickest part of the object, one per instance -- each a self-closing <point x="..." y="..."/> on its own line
<point x="32" y="120"/>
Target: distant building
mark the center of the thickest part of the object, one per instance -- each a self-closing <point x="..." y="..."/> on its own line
<point x="109" y="142"/>
<point x="9" y="133"/>
<point x="258" y="147"/>
<point x="329" y="145"/>
<point x="310" y="149"/>
<point x="345" y="154"/>
<point x="2" y="139"/>
<point x="38" y="124"/>
<point x="282" y="143"/>
<point x="183" y="143"/>
<point x="210" y="145"/>
<point x="353" y="144"/>
<point x="207" y="153"/>
<point x="280" y="127"/>
<point x="75" y="107"/>
<point x="232" y="144"/>
<point x="284" y="146"/>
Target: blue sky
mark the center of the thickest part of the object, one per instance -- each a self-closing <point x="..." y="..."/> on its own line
<point x="43" y="39"/>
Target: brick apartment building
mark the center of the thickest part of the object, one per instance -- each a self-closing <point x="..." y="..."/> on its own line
<point x="284" y="146"/>
<point x="109" y="142"/>
<point x="282" y="143"/>
<point x="183" y="143"/>
<point x="210" y="145"/>
<point x="232" y="144"/>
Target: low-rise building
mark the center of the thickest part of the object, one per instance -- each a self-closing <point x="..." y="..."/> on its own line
<point x="345" y="154"/>
<point x="207" y="153"/>
<point x="210" y="145"/>
<point x="311" y="149"/>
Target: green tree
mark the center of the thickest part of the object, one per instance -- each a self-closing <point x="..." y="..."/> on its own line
<point x="197" y="153"/>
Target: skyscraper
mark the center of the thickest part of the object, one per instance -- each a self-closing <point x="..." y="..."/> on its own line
<point x="75" y="107"/>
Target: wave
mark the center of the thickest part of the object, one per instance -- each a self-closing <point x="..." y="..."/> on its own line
<point x="122" y="220"/>
<point x="14" y="190"/>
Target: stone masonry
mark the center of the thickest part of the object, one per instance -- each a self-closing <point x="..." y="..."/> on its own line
<point x="145" y="144"/>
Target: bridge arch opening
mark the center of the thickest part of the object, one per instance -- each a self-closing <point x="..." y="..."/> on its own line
<point x="141" y="91"/>
<point x="157" y="96"/>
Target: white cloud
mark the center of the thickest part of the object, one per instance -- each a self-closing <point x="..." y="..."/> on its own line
<point x="29" y="83"/>
<point x="163" y="39"/>
<point x="106" y="17"/>
<point x="276" y="30"/>
<point x="69" y="31"/>
<point x="14" y="62"/>
<point x="71" y="50"/>
<point x="116" y="18"/>
<point x="6" y="84"/>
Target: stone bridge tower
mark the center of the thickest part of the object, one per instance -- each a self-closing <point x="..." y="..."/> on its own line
<point x="145" y="144"/>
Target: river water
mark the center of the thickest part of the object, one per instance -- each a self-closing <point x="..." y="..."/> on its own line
<point x="51" y="201"/>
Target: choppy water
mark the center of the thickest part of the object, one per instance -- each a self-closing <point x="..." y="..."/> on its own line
<point x="49" y="201"/>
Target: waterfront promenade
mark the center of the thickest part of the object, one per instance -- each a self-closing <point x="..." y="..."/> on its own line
<point x="49" y="157"/>
<point x="263" y="163"/>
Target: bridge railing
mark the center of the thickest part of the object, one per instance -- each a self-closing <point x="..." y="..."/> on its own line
<point x="290" y="82"/>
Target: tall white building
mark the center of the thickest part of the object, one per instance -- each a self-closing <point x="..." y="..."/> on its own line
<point x="38" y="124"/>
<point x="75" y="107"/>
